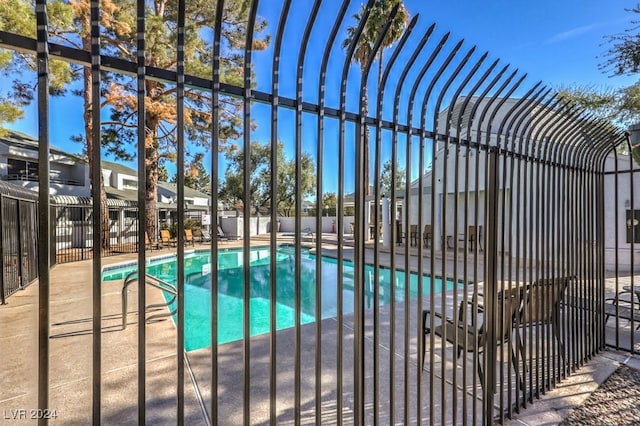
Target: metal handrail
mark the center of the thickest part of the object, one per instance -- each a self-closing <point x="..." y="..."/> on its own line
<point x="154" y="282"/>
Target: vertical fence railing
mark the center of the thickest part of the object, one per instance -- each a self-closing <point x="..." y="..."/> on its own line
<point x="509" y="180"/>
<point x="73" y="232"/>
<point x="18" y="244"/>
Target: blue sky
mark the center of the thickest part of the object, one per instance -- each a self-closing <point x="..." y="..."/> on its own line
<point x="556" y="42"/>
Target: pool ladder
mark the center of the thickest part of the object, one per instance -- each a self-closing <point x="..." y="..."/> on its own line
<point x="154" y="282"/>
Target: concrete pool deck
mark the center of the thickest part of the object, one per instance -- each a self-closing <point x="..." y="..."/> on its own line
<point x="70" y="362"/>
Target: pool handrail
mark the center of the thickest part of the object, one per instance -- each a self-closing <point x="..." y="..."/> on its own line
<point x="154" y="282"/>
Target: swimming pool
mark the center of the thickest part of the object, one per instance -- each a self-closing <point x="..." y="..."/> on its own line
<point x="231" y="290"/>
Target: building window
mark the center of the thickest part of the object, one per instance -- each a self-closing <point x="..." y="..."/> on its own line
<point x="129" y="184"/>
<point x="633" y="226"/>
<point x="21" y="169"/>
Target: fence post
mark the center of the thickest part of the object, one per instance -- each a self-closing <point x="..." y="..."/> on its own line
<point x="2" y="296"/>
<point x="491" y="320"/>
<point x="20" y="246"/>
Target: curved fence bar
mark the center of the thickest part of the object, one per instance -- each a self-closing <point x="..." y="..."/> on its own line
<point x="447" y="132"/>
<point x="488" y="257"/>
<point x="438" y="104"/>
<point x="467" y="284"/>
<point x="506" y="270"/>
<point x="357" y="378"/>
<point x="340" y="207"/>
<point x="391" y="231"/>
<point x="246" y="183"/>
<point x="298" y="221"/>
<point x="362" y="179"/>
<point x="215" y="167"/>
<point x="273" y="265"/>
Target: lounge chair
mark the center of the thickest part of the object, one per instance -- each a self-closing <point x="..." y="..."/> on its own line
<point x="165" y="238"/>
<point x="201" y="236"/>
<point x="206" y="236"/>
<point x="188" y="237"/>
<point x="221" y="234"/>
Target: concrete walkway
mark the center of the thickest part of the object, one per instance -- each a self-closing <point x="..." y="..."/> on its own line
<point x="71" y="364"/>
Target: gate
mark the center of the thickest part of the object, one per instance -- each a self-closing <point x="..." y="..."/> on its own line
<point x="482" y="288"/>
<point x="18" y="231"/>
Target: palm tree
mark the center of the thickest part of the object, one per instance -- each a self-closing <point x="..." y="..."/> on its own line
<point x="377" y="19"/>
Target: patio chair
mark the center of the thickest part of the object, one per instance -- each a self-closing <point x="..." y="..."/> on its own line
<point x="543" y="304"/>
<point x="399" y="234"/>
<point x="197" y="236"/>
<point x="165" y="238"/>
<point x="413" y="234"/>
<point x="474" y="338"/>
<point x="542" y="307"/>
<point x="427" y="235"/>
<point x="188" y="237"/>
<point x="473" y="236"/>
<point x="624" y="305"/>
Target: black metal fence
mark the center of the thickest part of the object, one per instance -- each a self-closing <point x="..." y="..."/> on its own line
<point x="480" y="148"/>
<point x="19" y="238"/>
<point x="73" y="232"/>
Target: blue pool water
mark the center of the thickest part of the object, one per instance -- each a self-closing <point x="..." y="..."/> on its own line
<point x="231" y="290"/>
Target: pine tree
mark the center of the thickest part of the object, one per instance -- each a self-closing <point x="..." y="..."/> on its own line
<point x="17" y="16"/>
<point x="120" y="133"/>
<point x="196" y="175"/>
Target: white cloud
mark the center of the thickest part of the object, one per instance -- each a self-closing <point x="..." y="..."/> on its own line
<point x="578" y="31"/>
<point x="575" y="32"/>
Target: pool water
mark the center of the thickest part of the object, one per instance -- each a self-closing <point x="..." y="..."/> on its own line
<point x="231" y="291"/>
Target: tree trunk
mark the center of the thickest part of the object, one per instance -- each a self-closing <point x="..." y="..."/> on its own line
<point x="151" y="158"/>
<point x="88" y="128"/>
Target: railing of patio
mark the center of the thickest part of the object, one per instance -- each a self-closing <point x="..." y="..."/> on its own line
<point x="503" y="183"/>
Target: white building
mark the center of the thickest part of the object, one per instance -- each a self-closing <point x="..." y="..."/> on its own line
<point x="69" y="174"/>
<point x="460" y="196"/>
<point x="70" y="186"/>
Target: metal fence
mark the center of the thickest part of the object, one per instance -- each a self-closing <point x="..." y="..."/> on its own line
<point x="72" y="227"/>
<point x="73" y="232"/>
<point x="506" y="187"/>
<point x="18" y="232"/>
